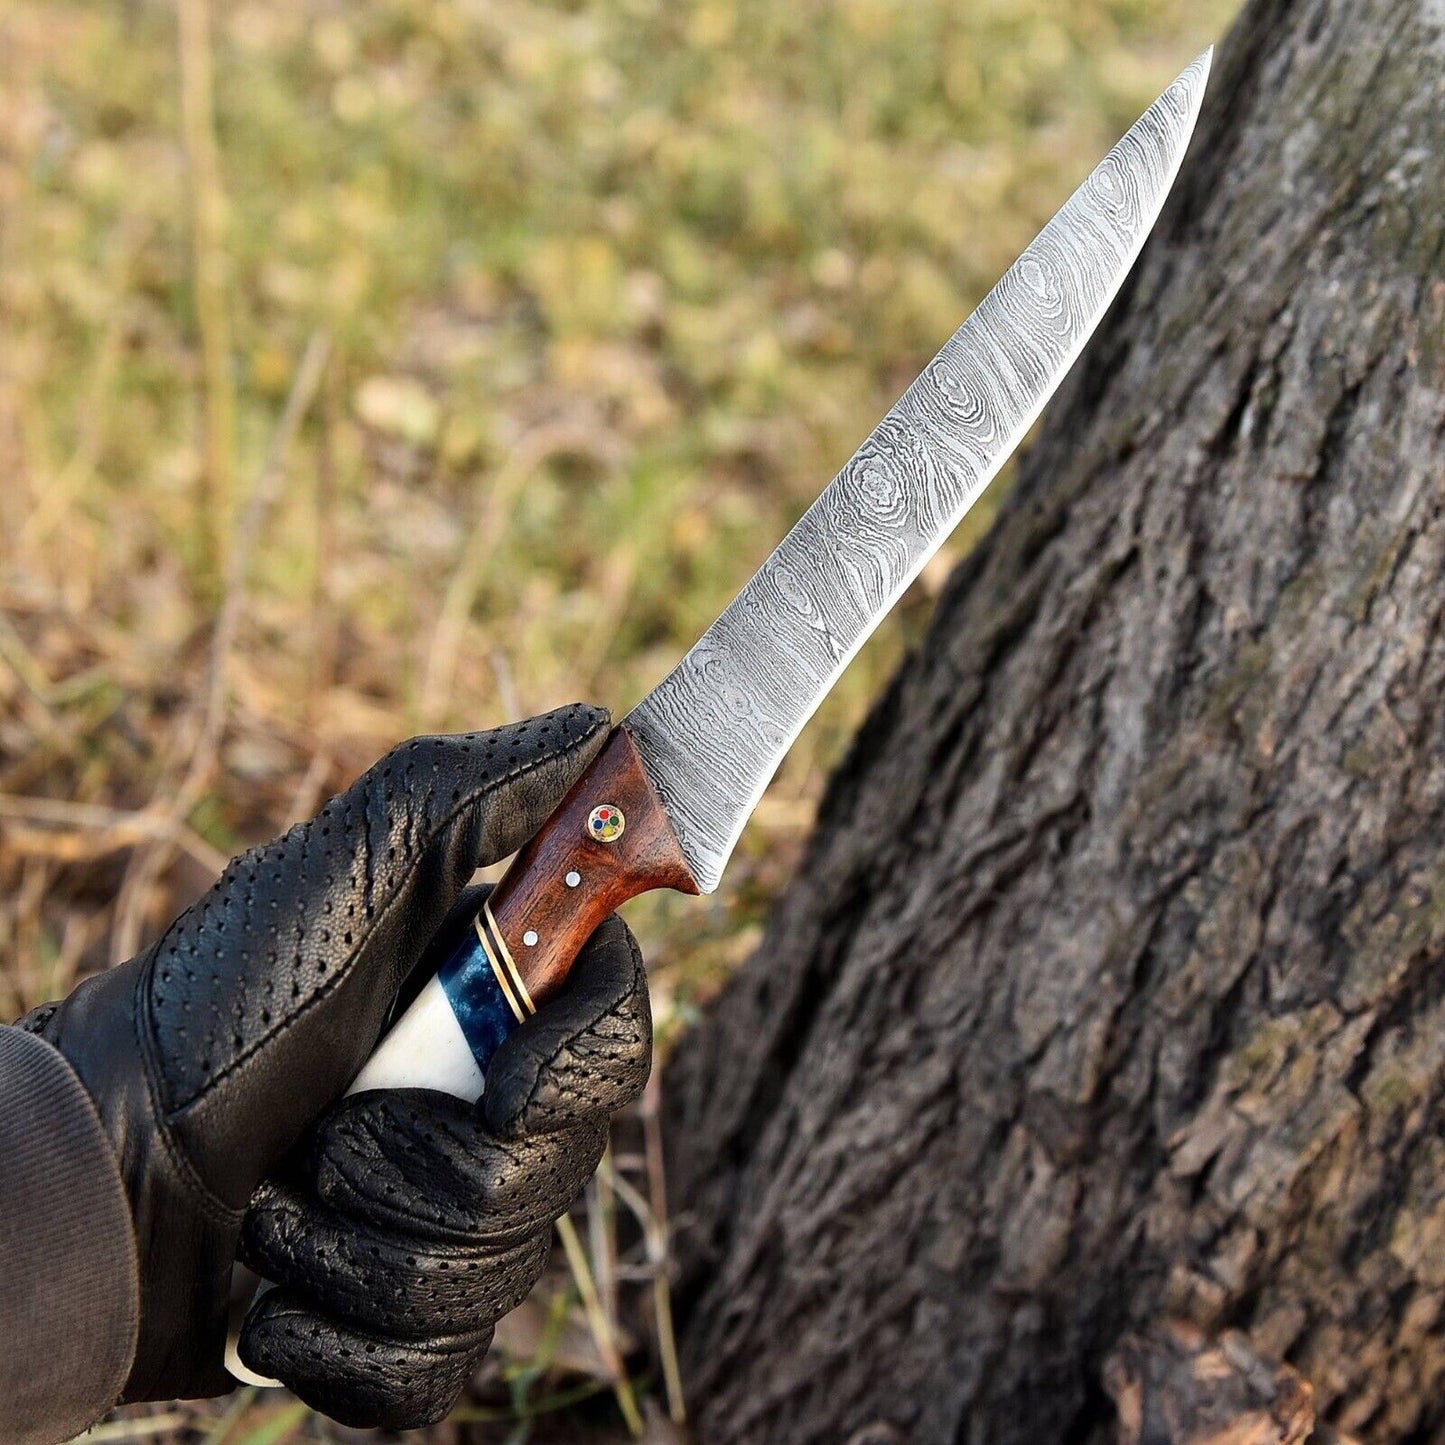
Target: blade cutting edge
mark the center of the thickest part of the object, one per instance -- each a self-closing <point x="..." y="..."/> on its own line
<point x="712" y="733"/>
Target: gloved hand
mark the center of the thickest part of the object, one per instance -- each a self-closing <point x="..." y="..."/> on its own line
<point x="209" y="1054"/>
<point x="417" y="1221"/>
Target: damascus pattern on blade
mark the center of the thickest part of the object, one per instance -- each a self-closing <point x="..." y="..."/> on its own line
<point x="712" y="733"/>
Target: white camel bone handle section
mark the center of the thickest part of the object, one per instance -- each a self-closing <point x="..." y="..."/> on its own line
<point x="425" y="1049"/>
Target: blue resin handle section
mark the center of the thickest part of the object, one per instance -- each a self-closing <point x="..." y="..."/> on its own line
<point x="470" y="983"/>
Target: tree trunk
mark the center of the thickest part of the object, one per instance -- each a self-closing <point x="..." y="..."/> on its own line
<point x="1178" y="1388"/>
<point x="1111" y="991"/>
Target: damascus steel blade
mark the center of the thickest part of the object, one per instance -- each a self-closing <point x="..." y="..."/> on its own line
<point x="712" y="733"/>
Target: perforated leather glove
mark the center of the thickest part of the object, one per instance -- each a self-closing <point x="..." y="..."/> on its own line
<point x="209" y="1054"/>
<point x="417" y="1221"/>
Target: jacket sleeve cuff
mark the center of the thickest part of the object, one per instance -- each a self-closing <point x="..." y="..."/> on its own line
<point x="70" y="1301"/>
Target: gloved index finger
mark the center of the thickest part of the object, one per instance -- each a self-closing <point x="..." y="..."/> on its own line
<point x="585" y="1053"/>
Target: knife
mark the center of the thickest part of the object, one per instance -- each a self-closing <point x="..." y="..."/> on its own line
<point x="662" y="805"/>
<point x="664" y="802"/>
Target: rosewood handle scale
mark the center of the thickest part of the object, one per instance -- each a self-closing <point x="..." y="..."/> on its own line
<point x="543" y="918"/>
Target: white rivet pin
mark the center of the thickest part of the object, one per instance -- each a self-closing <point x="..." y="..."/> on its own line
<point x="573" y="879"/>
<point x="529" y="937"/>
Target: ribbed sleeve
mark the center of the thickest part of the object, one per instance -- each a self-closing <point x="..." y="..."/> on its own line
<point x="69" y="1298"/>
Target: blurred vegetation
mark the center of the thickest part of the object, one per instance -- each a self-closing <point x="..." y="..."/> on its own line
<point x="420" y="364"/>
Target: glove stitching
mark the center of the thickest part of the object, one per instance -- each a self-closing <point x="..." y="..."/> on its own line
<point x="521" y="770"/>
<point x="215" y="1210"/>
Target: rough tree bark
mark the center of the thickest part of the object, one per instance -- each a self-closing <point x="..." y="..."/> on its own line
<point x="1111" y="991"/>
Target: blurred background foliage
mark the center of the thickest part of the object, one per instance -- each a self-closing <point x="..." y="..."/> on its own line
<point x="421" y="364"/>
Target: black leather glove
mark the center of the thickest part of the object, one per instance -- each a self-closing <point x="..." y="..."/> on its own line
<point x="210" y="1054"/>
<point x="417" y="1221"/>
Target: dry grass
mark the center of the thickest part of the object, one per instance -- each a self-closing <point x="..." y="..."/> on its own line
<point x="424" y="363"/>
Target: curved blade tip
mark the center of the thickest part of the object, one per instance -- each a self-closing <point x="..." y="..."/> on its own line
<point x="1176" y="112"/>
<point x="1193" y="80"/>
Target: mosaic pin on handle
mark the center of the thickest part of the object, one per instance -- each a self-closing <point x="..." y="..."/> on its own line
<point x="608" y="841"/>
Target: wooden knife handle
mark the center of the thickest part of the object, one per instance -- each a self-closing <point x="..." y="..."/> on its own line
<point x="608" y="841"/>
